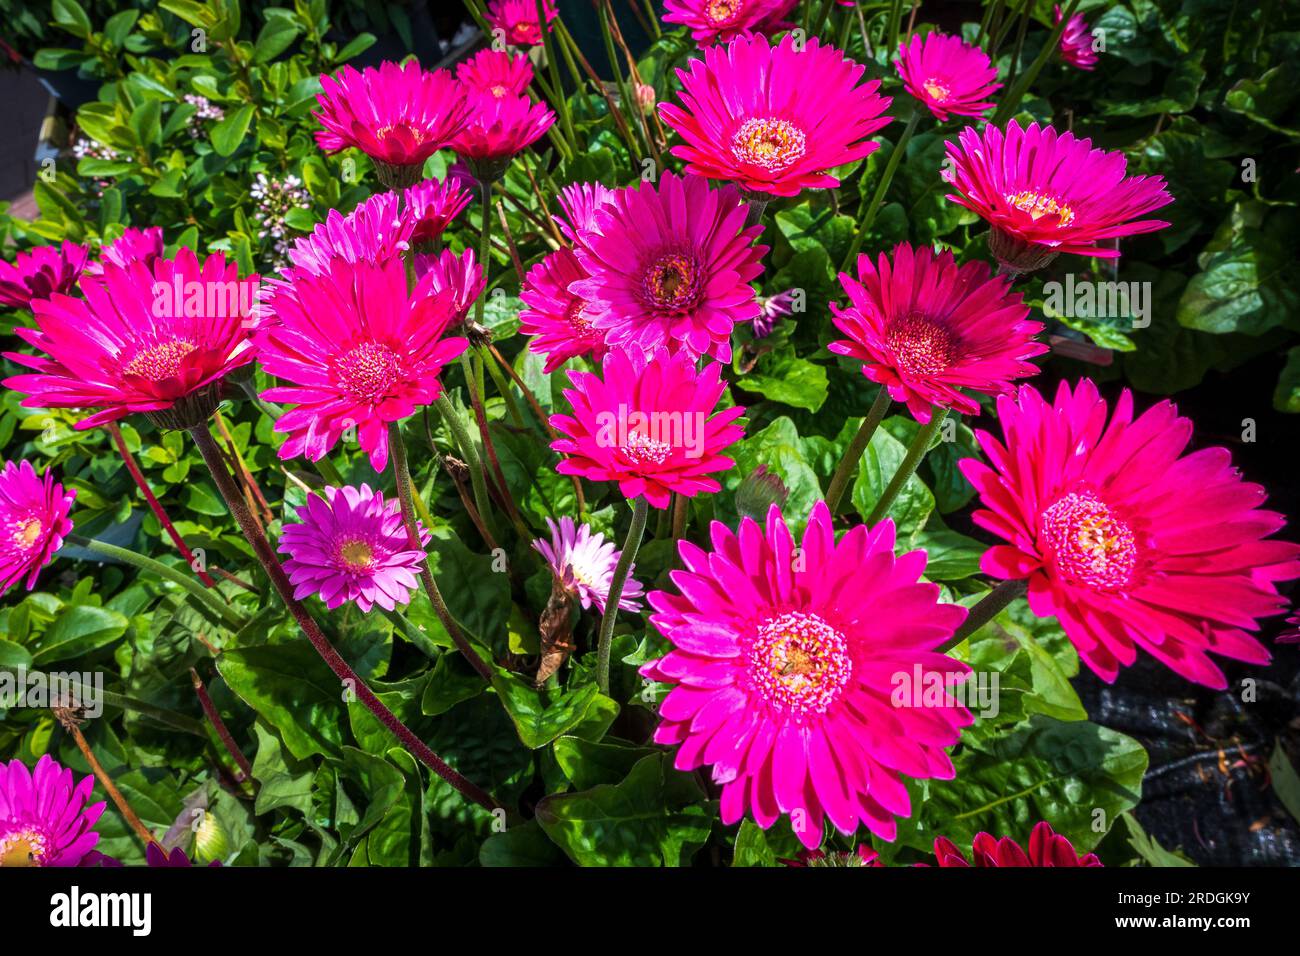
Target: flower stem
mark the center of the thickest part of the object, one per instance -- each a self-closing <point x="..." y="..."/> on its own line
<point x="210" y="599"/>
<point x="397" y="449"/>
<point x="155" y="505"/>
<point x="849" y="463"/>
<point x="987" y="608"/>
<point x="640" y="511"/>
<point x="470" y="453"/>
<point x="1012" y="98"/>
<point x="883" y="187"/>
<point x="223" y="732"/>
<point x="557" y="88"/>
<point x="70" y="724"/>
<point x="280" y="580"/>
<point x="915" y="452"/>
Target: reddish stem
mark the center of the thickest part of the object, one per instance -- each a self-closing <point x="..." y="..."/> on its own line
<point x="219" y="725"/>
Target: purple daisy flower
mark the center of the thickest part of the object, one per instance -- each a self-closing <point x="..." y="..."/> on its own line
<point x="351" y="546"/>
<point x="584" y="562"/>
<point x="44" y="820"/>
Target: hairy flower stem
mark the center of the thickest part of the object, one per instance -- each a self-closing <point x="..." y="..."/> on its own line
<point x="462" y="438"/>
<point x="886" y="178"/>
<point x="70" y="723"/>
<point x="209" y="599"/>
<point x="350" y="679"/>
<point x="849" y="463"/>
<point x="640" y="511"/>
<point x="397" y="448"/>
<point x="988" y="607"/>
<point x="155" y="505"/>
<point x="223" y="732"/>
<point x="915" y="452"/>
<point x="757" y="206"/>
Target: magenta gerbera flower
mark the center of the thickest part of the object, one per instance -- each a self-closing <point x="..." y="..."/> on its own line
<point x="1126" y="540"/>
<point x="431" y="205"/>
<point x="458" y="275"/>
<point x="147" y="339"/>
<point x="670" y="265"/>
<point x="862" y="856"/>
<point x="33" y="522"/>
<point x="517" y="19"/>
<point x="499" y="128"/>
<point x="376" y="230"/>
<point x="1046" y="848"/>
<point x="584" y="563"/>
<point x="932" y="332"/>
<point x="358" y="351"/>
<point x="579" y="202"/>
<point x="143" y="245"/>
<point x="44" y="819"/>
<point x="650" y="425"/>
<point x="555" y="317"/>
<point x="747" y="115"/>
<point x="399" y="116"/>
<point x="351" y="545"/>
<point x="711" y="20"/>
<point x="948" y="75"/>
<point x="1044" y="193"/>
<point x="1076" y="41"/>
<point x="40" y="272"/>
<point x="496" y="72"/>
<point x="786" y="662"/>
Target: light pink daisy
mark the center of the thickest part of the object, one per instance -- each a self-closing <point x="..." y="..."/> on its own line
<point x="40" y="272"/>
<point x="1045" y="193"/>
<point x="496" y="72"/>
<point x="786" y="663"/>
<point x="431" y="205"/>
<point x="500" y="127"/>
<point x="747" y="115"/>
<point x="517" y="19"/>
<point x="458" y="275"/>
<point x="351" y="545"/>
<point x="144" y="245"/>
<point x="1046" y="848"/>
<point x="1126" y="540"/>
<point x="44" y="817"/>
<point x="358" y="351"/>
<point x="555" y="317"/>
<point x="33" y="522"/>
<point x="1076" y="41"/>
<point x="398" y="116"/>
<point x="948" y="75"/>
<point x="932" y="332"/>
<point x="711" y="20"/>
<point x="670" y="265"/>
<point x="155" y="339"/>
<point x="650" y="424"/>
<point x="584" y="563"/>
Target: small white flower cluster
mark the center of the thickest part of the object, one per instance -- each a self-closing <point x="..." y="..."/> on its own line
<point x="86" y="148"/>
<point x="205" y="109"/>
<point x="275" y="198"/>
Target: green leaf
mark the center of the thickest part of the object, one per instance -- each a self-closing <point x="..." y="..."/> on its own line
<point x="451" y="681"/>
<point x="589" y="763"/>
<point x="524" y="845"/>
<point x="276" y="36"/>
<point x="1286" y="782"/>
<point x="1286" y="397"/>
<point x="657" y="816"/>
<point x="230" y="132"/>
<point x="1147" y="848"/>
<point x="540" y="716"/>
<point x="69" y="15"/>
<point x="952" y="556"/>
<point x="780" y="449"/>
<point x="880" y="461"/>
<point x="78" y="630"/>
<point x="784" y="377"/>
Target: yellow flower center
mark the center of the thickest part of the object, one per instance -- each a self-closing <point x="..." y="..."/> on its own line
<point x="936" y="90"/>
<point x="774" y="144"/>
<point x="161" y="361"/>
<point x="1039" y="204"/>
<point x="356" y="555"/>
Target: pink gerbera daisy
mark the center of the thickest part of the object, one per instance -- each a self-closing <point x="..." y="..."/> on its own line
<point x="399" y="116"/>
<point x="359" y="351"/>
<point x="500" y="127"/>
<point x="786" y="661"/>
<point x="948" y="75"/>
<point x="351" y="545"/>
<point x="1044" y="193"/>
<point x="40" y="272"/>
<point x="584" y="563"/>
<point x="144" y="245"/>
<point x="155" y="339"/>
<point x="44" y="819"/>
<point x="458" y="275"/>
<point x="33" y="522"/>
<point x="649" y="425"/>
<point x="862" y="856"/>
<point x="713" y="20"/>
<point x="747" y="114"/>
<point x="517" y="19"/>
<point x="1046" y="848"/>
<point x="930" y="331"/>
<point x="580" y="202"/>
<point x="1126" y="540"/>
<point x="431" y="205"/>
<point x="670" y="265"/>
<point x="555" y="316"/>
<point x="1076" y="42"/>
<point x="496" y="72"/>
